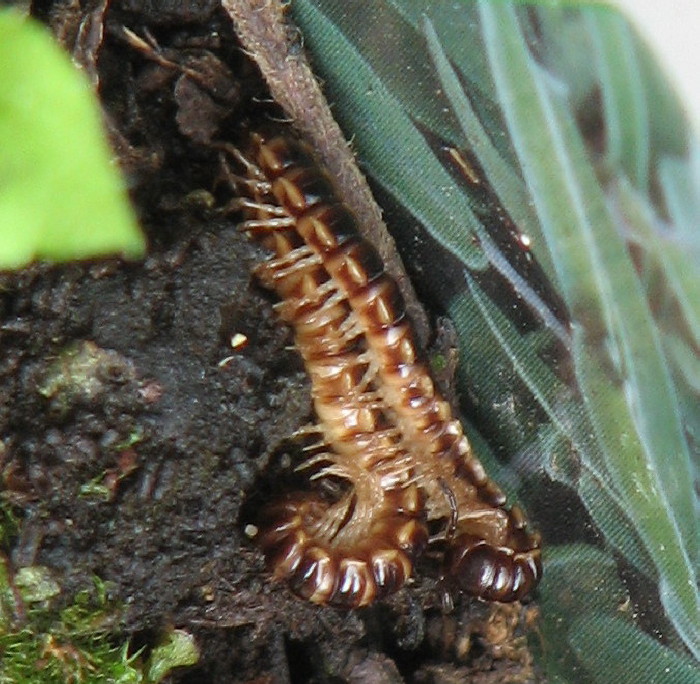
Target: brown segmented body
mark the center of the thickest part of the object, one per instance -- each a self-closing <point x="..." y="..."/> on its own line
<point x="384" y="427"/>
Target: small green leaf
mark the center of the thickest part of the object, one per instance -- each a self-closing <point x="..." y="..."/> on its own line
<point x="36" y="584"/>
<point x="177" y="650"/>
<point x="60" y="195"/>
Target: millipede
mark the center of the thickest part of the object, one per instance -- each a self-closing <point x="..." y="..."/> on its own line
<point x="382" y="428"/>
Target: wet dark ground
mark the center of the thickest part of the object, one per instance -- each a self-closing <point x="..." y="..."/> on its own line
<point x="135" y="439"/>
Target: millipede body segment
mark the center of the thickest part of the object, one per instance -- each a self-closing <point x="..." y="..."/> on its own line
<point x="383" y="429"/>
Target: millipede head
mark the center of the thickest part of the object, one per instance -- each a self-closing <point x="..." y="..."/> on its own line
<point x="276" y="155"/>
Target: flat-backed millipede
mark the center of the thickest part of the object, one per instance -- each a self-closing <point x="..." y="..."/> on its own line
<point x="382" y="426"/>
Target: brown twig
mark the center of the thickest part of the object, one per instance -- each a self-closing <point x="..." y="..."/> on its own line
<point x="273" y="43"/>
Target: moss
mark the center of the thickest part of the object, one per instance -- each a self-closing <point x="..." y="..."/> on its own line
<point x="41" y="644"/>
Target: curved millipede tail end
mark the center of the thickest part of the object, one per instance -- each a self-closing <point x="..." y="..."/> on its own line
<point x="496" y="573"/>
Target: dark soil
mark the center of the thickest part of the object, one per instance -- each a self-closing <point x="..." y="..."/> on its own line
<point x="136" y="441"/>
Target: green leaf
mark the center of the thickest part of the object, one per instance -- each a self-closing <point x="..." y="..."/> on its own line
<point x="645" y="659"/>
<point x="624" y="96"/>
<point x="633" y="408"/>
<point x="579" y="580"/>
<point x="675" y="252"/>
<point x="36" y="584"/>
<point x="586" y="612"/>
<point x="511" y="189"/>
<point x="178" y="648"/>
<point x="61" y="197"/>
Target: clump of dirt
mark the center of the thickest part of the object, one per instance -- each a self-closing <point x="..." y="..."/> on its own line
<point x="133" y="432"/>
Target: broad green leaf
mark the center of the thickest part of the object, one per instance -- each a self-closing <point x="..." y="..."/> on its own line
<point x="645" y="659"/>
<point x="580" y="580"/>
<point x="589" y="475"/>
<point x="545" y="387"/>
<point x="675" y="251"/>
<point x="592" y="618"/>
<point x="624" y="97"/>
<point x="512" y="191"/>
<point x="632" y="405"/>
<point x="680" y="180"/>
<point x="61" y="196"/>
<point x="488" y="340"/>
<point x="566" y="51"/>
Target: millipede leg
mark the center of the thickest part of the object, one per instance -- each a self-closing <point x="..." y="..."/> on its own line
<point x="287" y="266"/>
<point x="266" y="225"/>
